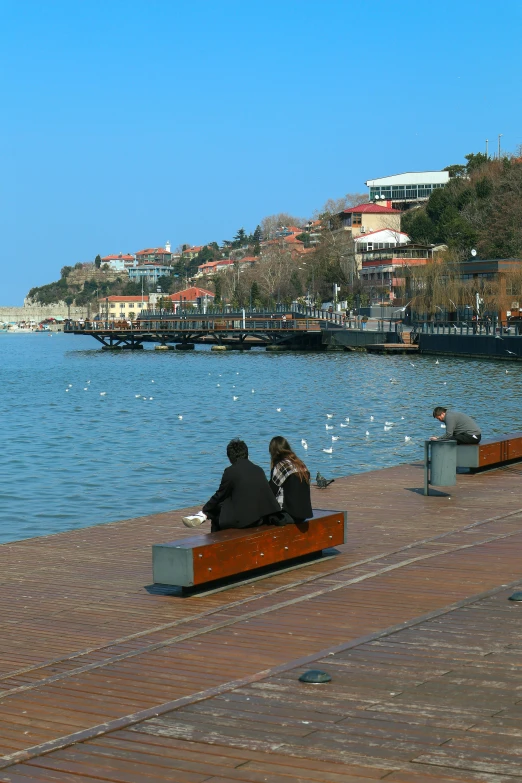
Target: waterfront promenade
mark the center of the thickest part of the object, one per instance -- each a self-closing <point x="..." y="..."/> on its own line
<point x="104" y="678"/>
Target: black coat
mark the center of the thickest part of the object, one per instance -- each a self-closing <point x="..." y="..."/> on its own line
<point x="243" y="497"/>
<point x="296" y="497"/>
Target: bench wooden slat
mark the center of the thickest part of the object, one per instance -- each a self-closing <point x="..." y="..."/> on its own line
<point x="203" y="558"/>
<point x="490" y="452"/>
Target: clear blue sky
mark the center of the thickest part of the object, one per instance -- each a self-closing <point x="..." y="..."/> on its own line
<point x="129" y="122"/>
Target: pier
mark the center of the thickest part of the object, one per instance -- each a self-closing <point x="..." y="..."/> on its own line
<point x="105" y="676"/>
<point x="303" y="329"/>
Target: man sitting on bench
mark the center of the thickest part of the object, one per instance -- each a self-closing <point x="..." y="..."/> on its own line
<point x="459" y="427"/>
<point x="244" y="497"/>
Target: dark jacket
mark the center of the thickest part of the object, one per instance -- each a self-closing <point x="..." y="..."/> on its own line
<point x="296" y="497"/>
<point x="243" y="497"/>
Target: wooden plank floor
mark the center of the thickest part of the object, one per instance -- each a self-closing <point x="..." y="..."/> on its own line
<point x="89" y="657"/>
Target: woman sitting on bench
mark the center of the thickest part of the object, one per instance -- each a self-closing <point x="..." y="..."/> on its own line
<point x="290" y="480"/>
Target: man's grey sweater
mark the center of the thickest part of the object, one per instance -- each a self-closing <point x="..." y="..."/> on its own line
<point x="457" y="423"/>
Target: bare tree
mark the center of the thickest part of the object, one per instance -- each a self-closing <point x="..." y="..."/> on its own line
<point x="335" y="205"/>
<point x="271" y="223"/>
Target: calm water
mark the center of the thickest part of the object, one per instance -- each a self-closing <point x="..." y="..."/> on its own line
<point x="81" y="445"/>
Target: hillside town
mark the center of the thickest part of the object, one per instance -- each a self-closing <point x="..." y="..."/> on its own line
<point x="380" y="248"/>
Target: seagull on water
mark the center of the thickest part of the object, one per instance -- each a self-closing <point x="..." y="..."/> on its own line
<point x="437" y="361"/>
<point x="371" y="418"/>
<point x="180" y="417"/>
<point x="137" y="396"/>
<point x="253" y="391"/>
<point x="86" y="388"/>
<point x="347" y="418"/>
<point x="151" y="398"/>
<point x="387" y="429"/>
<point x="152" y="381"/>
<point x="389" y="423"/>
<point x="328" y="427"/>
<point x="407" y="438"/>
<point x="329" y="415"/>
<point x="235" y="398"/>
<point x="304" y="444"/>
<point x="328" y="451"/>
<point x="412" y="364"/>
<point x="102" y="394"/>
<point x="335" y="437"/>
<point x="278" y="410"/>
<point x="343" y="425"/>
<point x="511" y="353"/>
<point x="367" y="433"/>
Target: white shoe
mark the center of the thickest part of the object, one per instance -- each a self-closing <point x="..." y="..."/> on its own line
<point x="195" y="520"/>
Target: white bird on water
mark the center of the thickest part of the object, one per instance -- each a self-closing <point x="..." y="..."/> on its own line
<point x="86" y="388"/>
<point x="412" y="364"/>
<point x="347" y="418"/>
<point x="278" y="410"/>
<point x="151" y="398"/>
<point x="102" y="394"/>
<point x="180" y="417"/>
<point x="304" y="444"/>
<point x="389" y="423"/>
<point x="152" y="381"/>
<point x="437" y="361"/>
<point x="137" y="396"/>
<point x="367" y="433"/>
<point x="235" y="398"/>
<point x="387" y="429"/>
<point x="343" y="425"/>
<point x="328" y="427"/>
<point x="371" y="418"/>
<point x="335" y="437"/>
<point x="329" y="415"/>
<point x="253" y="391"/>
<point x="407" y="438"/>
<point x="328" y="451"/>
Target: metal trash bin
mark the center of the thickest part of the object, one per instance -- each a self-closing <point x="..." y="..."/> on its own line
<point x="440" y="463"/>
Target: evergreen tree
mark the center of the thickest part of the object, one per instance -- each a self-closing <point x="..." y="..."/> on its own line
<point x="97" y="261"/>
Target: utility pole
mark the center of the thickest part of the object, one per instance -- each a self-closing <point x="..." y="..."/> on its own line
<point x="499" y="137"/>
<point x="487" y="142"/>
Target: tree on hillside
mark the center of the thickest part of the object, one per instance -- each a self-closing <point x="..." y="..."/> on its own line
<point x="97" y="261"/>
<point x="270" y="224"/>
<point x="240" y="238"/>
<point x="482" y="210"/>
<point x="335" y="205"/>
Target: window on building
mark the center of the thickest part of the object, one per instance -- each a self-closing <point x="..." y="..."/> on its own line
<point x="356" y="219"/>
<point x="113" y="306"/>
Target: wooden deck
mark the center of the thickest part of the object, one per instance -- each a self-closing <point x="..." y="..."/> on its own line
<point x="104" y="678"/>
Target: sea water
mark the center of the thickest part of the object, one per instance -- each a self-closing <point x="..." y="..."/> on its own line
<point x="91" y="436"/>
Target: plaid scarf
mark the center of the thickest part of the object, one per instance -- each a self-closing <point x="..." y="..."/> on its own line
<point x="280" y="474"/>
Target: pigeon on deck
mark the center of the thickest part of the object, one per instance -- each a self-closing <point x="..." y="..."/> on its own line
<point x="322" y="482"/>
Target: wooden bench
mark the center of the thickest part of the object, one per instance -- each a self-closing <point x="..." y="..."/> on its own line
<point x="194" y="561"/>
<point x="490" y="453"/>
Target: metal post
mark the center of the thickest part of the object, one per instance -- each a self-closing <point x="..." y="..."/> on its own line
<point x="426" y="467"/>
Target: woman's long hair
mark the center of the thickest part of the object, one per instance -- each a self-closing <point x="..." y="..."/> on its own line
<point x="280" y="449"/>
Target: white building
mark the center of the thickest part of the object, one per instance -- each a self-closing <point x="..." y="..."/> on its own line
<point x="404" y="190"/>
<point x="376" y="240"/>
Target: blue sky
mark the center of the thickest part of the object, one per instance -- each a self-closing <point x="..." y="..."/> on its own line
<point x="129" y="122"/>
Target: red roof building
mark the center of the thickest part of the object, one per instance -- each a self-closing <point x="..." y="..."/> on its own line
<point x="366" y="218"/>
<point x="191" y="295"/>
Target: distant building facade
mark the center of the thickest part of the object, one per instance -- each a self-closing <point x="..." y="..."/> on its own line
<point x="367" y="218"/>
<point x="403" y="191"/>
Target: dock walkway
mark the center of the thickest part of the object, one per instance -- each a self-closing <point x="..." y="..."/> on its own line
<point x="105" y="678"/>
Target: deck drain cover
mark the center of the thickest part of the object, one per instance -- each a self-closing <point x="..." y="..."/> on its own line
<point x="516" y="596"/>
<point x="314" y="675"/>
